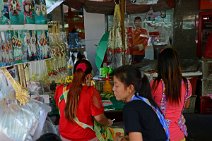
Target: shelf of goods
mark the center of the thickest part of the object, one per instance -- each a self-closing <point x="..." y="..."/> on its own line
<point x="206" y="76"/>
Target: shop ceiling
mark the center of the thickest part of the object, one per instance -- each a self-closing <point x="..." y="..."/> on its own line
<point x="107" y="6"/>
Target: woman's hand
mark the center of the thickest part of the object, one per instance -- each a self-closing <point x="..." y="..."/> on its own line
<point x="102" y="119"/>
<point x="121" y="138"/>
<point x="110" y="122"/>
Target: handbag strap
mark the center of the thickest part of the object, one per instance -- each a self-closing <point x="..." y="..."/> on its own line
<point x="21" y="94"/>
<point x="158" y="113"/>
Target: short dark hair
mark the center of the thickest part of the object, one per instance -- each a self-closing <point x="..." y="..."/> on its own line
<point x="131" y="75"/>
<point x="49" y="137"/>
<point x="137" y="18"/>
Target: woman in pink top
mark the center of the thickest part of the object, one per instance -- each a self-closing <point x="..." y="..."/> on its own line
<point x="171" y="91"/>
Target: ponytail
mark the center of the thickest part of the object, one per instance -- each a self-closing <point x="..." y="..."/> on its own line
<point x="73" y="95"/>
<point x="145" y="90"/>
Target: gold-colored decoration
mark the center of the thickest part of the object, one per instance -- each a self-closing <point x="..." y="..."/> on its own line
<point x="21" y="93"/>
<point x="107" y="88"/>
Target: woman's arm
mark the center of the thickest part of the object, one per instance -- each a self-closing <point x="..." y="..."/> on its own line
<point x="102" y="119"/>
<point x="135" y="136"/>
<point x="187" y="103"/>
<point x="188" y="95"/>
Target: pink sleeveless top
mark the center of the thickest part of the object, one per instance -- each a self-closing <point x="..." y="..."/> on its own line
<point x="173" y="112"/>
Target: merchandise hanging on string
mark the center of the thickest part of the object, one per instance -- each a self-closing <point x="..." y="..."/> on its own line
<point x="116" y="46"/>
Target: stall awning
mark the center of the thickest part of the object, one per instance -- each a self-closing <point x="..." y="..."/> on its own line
<point x="107" y="6"/>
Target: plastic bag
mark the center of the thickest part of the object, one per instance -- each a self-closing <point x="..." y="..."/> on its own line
<point x="23" y="123"/>
<point x="49" y="127"/>
<point x="45" y="109"/>
<point x="19" y="122"/>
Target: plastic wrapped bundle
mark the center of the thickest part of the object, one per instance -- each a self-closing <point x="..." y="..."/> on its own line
<point x="19" y="122"/>
<point x="49" y="127"/>
<point x="22" y="119"/>
<point x="45" y="109"/>
<point x="22" y="123"/>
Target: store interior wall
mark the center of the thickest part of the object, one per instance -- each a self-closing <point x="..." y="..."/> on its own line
<point x="185" y="30"/>
<point x="94" y="29"/>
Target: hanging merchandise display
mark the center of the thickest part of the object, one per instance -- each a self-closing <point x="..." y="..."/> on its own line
<point x="40" y="12"/>
<point x="17" y="46"/>
<point x="6" y="48"/>
<point x="29" y="13"/>
<point x="57" y="66"/>
<point x="115" y="43"/>
<point x="16" y="13"/>
<point x="30" y="45"/>
<point x="4" y="13"/>
<point x="43" y="48"/>
<point x="21" y="42"/>
<point x="53" y="69"/>
<point x="23" y="39"/>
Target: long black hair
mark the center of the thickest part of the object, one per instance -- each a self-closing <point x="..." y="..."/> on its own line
<point x="169" y="71"/>
<point x="81" y="69"/>
<point x="131" y="75"/>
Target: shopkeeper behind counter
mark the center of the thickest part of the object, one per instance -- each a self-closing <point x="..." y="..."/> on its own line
<point x="137" y="40"/>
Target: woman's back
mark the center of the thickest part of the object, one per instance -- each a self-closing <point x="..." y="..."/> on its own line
<point x="149" y="124"/>
<point x="173" y="111"/>
<point x="89" y="105"/>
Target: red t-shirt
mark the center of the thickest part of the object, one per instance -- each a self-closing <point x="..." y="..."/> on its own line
<point x="173" y="111"/>
<point x="136" y="37"/>
<point x="89" y="105"/>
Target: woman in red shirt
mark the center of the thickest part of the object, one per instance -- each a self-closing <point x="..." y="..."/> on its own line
<point x="79" y="105"/>
<point x="171" y="91"/>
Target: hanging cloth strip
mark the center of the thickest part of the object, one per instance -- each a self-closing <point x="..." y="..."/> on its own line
<point x="181" y="120"/>
<point x="115" y="44"/>
<point x="157" y="111"/>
